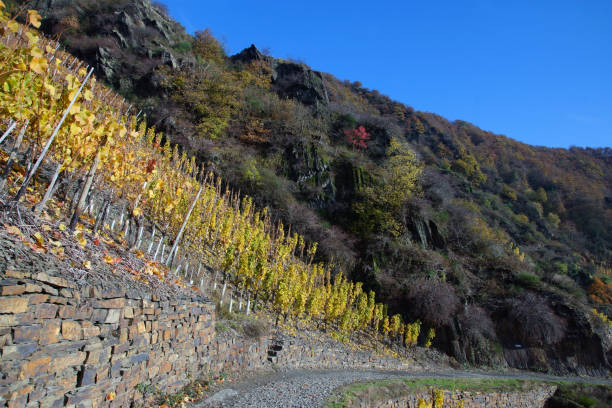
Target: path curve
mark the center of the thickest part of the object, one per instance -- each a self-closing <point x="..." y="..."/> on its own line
<point x="301" y="388"/>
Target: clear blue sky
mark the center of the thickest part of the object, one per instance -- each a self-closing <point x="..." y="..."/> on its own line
<point x="537" y="71"/>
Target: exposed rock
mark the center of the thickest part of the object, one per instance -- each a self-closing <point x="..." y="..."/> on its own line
<point x="311" y="171"/>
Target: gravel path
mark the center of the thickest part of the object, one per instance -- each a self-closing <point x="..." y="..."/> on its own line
<point x="311" y="388"/>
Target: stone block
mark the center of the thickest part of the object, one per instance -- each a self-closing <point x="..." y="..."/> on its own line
<point x="87" y="376"/>
<point x="31" y="368"/>
<point x="128" y="312"/>
<point x="108" y="293"/>
<point x="12" y="290"/>
<point x="32" y="288"/>
<point x="49" y="333"/>
<point x="18" y="352"/>
<point x="115" y="303"/>
<point x="54" y="280"/>
<point x="69" y="360"/>
<point x="14" y="304"/>
<point x="37" y="298"/>
<point x="26" y="334"/>
<point x="45" y="311"/>
<point x="66" y="312"/>
<point x="17" y="275"/>
<point x="113" y="316"/>
<point x="7" y="321"/>
<point x="71" y="330"/>
<point x="92" y="331"/>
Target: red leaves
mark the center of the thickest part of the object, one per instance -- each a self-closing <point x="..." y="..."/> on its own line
<point x="151" y="166"/>
<point x="357" y="137"/>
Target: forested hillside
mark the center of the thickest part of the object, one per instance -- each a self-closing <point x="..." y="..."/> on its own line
<point x="504" y="248"/>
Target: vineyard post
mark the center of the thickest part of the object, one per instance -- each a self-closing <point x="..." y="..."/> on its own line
<point x="152" y="241"/>
<point x="50" y="189"/>
<point x="161" y="238"/>
<point x="88" y="182"/>
<point x="248" y="305"/>
<point x="139" y="239"/>
<point x="12" y="126"/>
<point x="34" y="168"/>
<point x="231" y="302"/>
<point x="102" y="216"/>
<point x="180" y="233"/>
<point x="13" y="155"/>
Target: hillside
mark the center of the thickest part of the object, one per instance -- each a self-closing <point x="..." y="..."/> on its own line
<point x="501" y="247"/>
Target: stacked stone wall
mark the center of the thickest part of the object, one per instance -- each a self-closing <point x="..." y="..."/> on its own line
<point x="63" y="345"/>
<point x="533" y="398"/>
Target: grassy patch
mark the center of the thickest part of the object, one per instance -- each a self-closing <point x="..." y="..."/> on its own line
<point x="359" y="393"/>
<point x="581" y="396"/>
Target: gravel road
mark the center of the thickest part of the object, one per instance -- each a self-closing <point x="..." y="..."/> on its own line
<point x="311" y="388"/>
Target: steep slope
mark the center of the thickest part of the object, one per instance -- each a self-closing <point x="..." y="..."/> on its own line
<point x="502" y="247"/>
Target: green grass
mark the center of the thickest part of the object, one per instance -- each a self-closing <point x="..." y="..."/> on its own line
<point x="352" y="394"/>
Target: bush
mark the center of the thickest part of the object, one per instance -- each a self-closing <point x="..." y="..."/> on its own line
<point x="476" y="323"/>
<point x="534" y="322"/>
<point x="432" y="301"/>
<point x="528" y="280"/>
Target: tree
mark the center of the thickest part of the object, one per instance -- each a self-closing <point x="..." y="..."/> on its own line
<point x="207" y="47"/>
<point x="357" y="137"/>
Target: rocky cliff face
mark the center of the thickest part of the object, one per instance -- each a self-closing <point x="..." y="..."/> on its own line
<point x="123" y="40"/>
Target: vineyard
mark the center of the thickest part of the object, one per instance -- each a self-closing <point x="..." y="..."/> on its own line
<point x="57" y="118"/>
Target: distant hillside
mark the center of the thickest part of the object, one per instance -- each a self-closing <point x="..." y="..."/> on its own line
<point x="503" y="247"/>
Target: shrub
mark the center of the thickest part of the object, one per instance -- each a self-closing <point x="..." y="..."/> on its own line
<point x="476" y="323"/>
<point x="534" y="321"/>
<point x="432" y="301"/>
<point x="528" y="280"/>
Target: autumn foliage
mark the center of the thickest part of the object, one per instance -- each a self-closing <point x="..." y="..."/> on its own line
<point x="357" y="138"/>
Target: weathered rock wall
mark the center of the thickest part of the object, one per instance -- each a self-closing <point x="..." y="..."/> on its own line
<point x="534" y="398"/>
<point x="64" y="345"/>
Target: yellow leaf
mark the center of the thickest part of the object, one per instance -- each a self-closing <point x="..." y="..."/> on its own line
<point x="22" y="66"/>
<point x="88" y="95"/>
<point x="110" y="396"/>
<point x="38" y="65"/>
<point x="39" y="238"/>
<point x="2" y="6"/>
<point x="55" y="243"/>
<point x="74" y="129"/>
<point x="82" y="72"/>
<point x="108" y="259"/>
<point x="34" y="18"/>
<point x="46" y="227"/>
<point x="87" y="264"/>
<point x="62" y="227"/>
<point x="49" y="49"/>
<point x="11" y="229"/>
<point x="50" y="89"/>
<point x="13" y="26"/>
<point x="137" y="212"/>
<point x="36" y="52"/>
<point x="32" y="38"/>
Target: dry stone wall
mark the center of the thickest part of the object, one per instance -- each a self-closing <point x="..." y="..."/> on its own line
<point x="534" y="398"/>
<point x="64" y="345"/>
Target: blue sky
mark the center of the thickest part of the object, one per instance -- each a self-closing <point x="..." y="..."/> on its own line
<point x="537" y="71"/>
